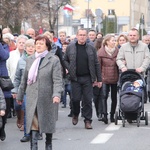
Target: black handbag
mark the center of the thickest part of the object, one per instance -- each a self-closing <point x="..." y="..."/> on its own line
<point x="6" y="83"/>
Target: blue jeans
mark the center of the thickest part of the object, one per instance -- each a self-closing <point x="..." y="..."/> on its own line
<point x="19" y="107"/>
<point x="67" y="90"/>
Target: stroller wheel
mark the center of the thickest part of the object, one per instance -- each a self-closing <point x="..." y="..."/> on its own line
<point x="116" y="117"/>
<point x="138" y="122"/>
<point x="123" y="122"/>
<point x="146" y="118"/>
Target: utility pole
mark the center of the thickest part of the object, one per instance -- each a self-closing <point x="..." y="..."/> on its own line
<point x="133" y="12"/>
<point x="87" y="13"/>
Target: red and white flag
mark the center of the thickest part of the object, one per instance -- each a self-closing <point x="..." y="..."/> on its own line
<point x="68" y="7"/>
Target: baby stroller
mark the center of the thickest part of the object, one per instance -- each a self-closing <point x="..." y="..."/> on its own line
<point x="131" y="104"/>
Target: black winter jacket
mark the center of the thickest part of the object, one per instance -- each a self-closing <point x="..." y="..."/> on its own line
<point x="70" y="62"/>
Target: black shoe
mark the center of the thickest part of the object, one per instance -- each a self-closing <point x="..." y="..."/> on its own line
<point x="9" y="115"/>
<point x="104" y="119"/>
<point x="112" y="119"/>
<point x="2" y="134"/>
<point x="70" y="115"/>
<point x="25" y="139"/>
<point x="14" y="113"/>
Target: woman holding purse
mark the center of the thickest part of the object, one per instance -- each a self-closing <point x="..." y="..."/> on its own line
<point x="4" y="55"/>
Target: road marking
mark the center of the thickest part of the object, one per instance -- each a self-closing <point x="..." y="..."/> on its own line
<point x="101" y="138"/>
<point x="113" y="127"/>
<point x="145" y="128"/>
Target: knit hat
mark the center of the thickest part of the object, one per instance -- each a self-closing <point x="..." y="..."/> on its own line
<point x="140" y="82"/>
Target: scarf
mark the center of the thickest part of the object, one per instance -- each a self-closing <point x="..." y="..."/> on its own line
<point x="34" y="67"/>
<point x="109" y="51"/>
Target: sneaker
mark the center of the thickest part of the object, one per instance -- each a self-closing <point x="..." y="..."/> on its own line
<point x="25" y="139"/>
<point x="40" y="137"/>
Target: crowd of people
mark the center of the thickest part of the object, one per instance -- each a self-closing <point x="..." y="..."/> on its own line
<point x="45" y="69"/>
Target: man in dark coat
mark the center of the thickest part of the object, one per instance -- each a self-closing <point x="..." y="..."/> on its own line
<point x="81" y="61"/>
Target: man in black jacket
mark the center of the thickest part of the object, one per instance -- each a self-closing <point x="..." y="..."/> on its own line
<point x="84" y="69"/>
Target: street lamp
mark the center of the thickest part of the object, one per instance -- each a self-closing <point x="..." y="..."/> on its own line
<point x="142" y="24"/>
<point x="57" y="20"/>
<point x="133" y="11"/>
<point x="111" y="24"/>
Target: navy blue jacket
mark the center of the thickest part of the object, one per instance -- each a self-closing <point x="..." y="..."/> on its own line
<point x="4" y="55"/>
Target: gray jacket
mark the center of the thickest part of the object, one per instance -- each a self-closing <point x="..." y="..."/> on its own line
<point x="70" y="62"/>
<point x="19" y="72"/>
<point x="40" y="94"/>
<point x="137" y="58"/>
<point x="2" y="101"/>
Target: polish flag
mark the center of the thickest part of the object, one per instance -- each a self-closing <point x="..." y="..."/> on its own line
<point x="68" y="7"/>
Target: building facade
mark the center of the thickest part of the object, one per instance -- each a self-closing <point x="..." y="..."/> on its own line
<point x="91" y="13"/>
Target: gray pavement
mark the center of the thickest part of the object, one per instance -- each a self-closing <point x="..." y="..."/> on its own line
<point x="70" y="137"/>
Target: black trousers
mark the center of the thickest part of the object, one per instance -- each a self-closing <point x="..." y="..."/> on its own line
<point x="82" y="87"/>
<point x="4" y="118"/>
<point x="105" y="92"/>
<point x="97" y="99"/>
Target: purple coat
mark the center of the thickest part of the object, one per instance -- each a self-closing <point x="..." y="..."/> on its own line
<point x="4" y="55"/>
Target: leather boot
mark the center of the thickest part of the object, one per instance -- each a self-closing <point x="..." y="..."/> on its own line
<point x="34" y="140"/>
<point x="22" y="121"/>
<point x="2" y="129"/>
<point x="105" y="119"/>
<point x="48" y="143"/>
<point x="18" y="113"/>
<point x="149" y="95"/>
<point x="112" y="118"/>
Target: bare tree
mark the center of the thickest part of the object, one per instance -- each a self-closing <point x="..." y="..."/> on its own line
<point x="50" y="9"/>
<point x="12" y="13"/>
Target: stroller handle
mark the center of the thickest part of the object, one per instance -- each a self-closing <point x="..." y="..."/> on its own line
<point x="133" y="70"/>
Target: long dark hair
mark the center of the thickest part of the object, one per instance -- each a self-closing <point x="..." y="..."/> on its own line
<point x="98" y="43"/>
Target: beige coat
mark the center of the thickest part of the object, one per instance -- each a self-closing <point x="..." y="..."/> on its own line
<point x="137" y="58"/>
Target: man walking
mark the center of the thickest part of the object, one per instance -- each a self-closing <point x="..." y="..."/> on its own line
<point x="133" y="54"/>
<point x="84" y="69"/>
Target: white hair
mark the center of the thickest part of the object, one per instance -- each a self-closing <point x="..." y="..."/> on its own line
<point x="21" y="37"/>
<point x="8" y="36"/>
